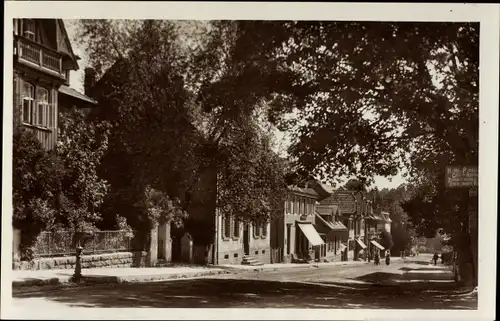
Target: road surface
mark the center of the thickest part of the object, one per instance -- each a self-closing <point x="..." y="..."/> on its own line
<point x="362" y="286"/>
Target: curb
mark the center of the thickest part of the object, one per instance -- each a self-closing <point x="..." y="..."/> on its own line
<point x="88" y="280"/>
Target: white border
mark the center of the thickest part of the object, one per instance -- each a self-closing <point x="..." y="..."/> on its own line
<point x="487" y="14"/>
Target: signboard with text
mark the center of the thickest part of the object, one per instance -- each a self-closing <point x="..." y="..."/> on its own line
<point x="461" y="176"/>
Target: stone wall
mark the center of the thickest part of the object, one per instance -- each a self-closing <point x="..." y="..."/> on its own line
<point x="115" y="260"/>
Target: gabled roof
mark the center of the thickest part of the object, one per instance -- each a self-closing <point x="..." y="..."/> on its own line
<point x="303" y="190"/>
<point x="74" y="57"/>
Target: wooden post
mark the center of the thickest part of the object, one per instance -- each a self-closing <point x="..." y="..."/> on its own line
<point x="41" y="57"/>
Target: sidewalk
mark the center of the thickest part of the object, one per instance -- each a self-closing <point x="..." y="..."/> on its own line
<point x="111" y="275"/>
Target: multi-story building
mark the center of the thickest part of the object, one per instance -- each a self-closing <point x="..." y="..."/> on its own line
<point x="375" y="224"/>
<point x="352" y="211"/>
<point x="333" y="232"/>
<point x="242" y="242"/>
<point x="294" y="234"/>
<point x="43" y="60"/>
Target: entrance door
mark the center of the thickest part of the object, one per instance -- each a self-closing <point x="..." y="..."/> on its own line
<point x="246" y="240"/>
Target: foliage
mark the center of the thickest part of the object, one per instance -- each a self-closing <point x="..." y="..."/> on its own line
<point x="390" y="200"/>
<point x="251" y="177"/>
<point x="386" y="240"/>
<point x="367" y="97"/>
<point x="81" y="146"/>
<point x="177" y="113"/>
<point x="35" y="180"/>
<point x="355" y="185"/>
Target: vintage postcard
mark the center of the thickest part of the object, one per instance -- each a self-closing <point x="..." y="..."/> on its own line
<point x="234" y="160"/>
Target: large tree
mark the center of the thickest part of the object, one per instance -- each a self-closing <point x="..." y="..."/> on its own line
<point x="179" y="110"/>
<point x="368" y="98"/>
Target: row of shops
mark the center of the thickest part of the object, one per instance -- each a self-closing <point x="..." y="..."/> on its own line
<point x="317" y="224"/>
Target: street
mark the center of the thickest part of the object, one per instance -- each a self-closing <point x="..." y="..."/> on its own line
<point x="364" y="286"/>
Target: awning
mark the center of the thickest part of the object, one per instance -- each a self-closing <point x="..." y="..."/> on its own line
<point x="363" y="245"/>
<point x="311" y="234"/>
<point x="377" y="244"/>
<point x="331" y="229"/>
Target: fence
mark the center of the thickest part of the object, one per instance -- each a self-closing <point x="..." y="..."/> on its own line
<point x="63" y="243"/>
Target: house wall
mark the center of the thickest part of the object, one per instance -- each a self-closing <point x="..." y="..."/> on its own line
<point x="231" y="249"/>
<point x="46" y="135"/>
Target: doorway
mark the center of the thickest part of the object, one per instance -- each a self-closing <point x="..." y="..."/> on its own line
<point x="246" y="240"/>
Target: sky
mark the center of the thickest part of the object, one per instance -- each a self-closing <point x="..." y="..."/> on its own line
<point x="282" y="138"/>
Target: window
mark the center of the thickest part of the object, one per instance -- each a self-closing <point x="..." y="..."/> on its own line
<point x="264" y="229"/>
<point x="29" y="29"/>
<point x="301" y="206"/>
<point x="256" y="229"/>
<point x="28" y="100"/>
<point x="236" y="230"/>
<point x="227" y="226"/>
<point x="42" y="99"/>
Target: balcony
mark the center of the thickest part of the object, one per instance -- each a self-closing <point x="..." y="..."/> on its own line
<point x="40" y="57"/>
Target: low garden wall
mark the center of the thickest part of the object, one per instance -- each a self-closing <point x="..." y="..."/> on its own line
<point x="120" y="259"/>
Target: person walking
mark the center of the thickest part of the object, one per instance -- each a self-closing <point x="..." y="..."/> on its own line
<point x="377" y="258"/>
<point x="435" y="258"/>
<point x="387" y="257"/>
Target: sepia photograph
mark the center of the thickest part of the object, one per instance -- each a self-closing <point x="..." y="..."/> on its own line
<point x="223" y="162"/>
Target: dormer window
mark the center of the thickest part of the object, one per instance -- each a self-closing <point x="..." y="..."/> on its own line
<point x="29" y="29"/>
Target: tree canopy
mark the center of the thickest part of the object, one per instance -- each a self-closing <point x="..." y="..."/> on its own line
<point x="179" y="111"/>
<point x="358" y="98"/>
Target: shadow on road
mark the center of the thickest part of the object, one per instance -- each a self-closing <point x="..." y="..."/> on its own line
<point x="231" y="293"/>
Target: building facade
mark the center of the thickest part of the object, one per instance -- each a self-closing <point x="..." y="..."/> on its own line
<point x="43" y="60"/>
<point x="333" y="232"/>
<point x="242" y="242"/>
<point x="294" y="234"/>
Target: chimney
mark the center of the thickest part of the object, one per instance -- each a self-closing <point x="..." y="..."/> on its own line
<point x="89" y="80"/>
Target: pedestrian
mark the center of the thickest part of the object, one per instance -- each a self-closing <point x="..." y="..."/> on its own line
<point x="387" y="257"/>
<point x="377" y="258"/>
<point x="442" y="258"/>
<point x="435" y="258"/>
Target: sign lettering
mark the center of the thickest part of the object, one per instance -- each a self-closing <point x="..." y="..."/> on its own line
<point x="461" y="176"/>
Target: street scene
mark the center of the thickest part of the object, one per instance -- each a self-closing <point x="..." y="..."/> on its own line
<point x="244" y="164"/>
<point x="352" y="286"/>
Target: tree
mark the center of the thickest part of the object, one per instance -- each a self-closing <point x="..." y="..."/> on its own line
<point x="355" y="185"/>
<point x="59" y="189"/>
<point x="179" y="112"/>
<point x="379" y="96"/>
<point x="35" y="179"/>
<point x="80" y="148"/>
<point x="390" y="200"/>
